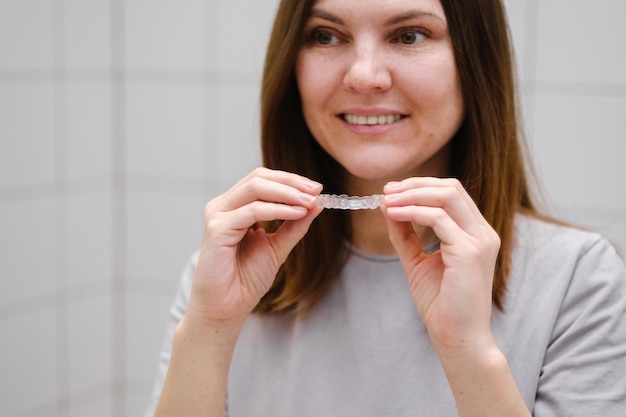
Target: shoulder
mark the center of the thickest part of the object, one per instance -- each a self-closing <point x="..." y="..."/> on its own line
<point x="532" y="231"/>
<point x="539" y="241"/>
<point x="561" y="264"/>
<point x="565" y="266"/>
<point x="567" y="298"/>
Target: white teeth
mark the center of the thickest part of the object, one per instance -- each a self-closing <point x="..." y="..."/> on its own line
<point x="371" y="120"/>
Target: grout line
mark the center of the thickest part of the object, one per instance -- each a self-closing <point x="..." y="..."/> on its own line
<point x="210" y="122"/>
<point x="84" y="186"/>
<point x="588" y="90"/>
<point x="530" y="56"/>
<point x="48" y="76"/>
<point x="80" y="399"/>
<point x="61" y="249"/>
<point x="531" y="39"/>
<point x="154" y="287"/>
<point x="47" y="302"/>
<point x="55" y="188"/>
<point x="210" y="78"/>
<point x="132" y="76"/>
<point x="118" y="203"/>
<point x="168" y="184"/>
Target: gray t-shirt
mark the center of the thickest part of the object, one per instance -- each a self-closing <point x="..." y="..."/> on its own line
<point x="363" y="350"/>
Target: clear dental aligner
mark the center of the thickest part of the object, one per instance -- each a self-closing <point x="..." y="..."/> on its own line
<point x="345" y="202"/>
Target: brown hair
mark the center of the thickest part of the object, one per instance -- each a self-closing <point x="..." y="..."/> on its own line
<point x="487" y="151"/>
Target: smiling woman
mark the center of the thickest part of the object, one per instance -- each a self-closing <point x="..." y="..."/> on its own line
<point x="450" y="295"/>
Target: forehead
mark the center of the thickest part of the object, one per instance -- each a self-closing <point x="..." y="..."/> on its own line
<point x="358" y="9"/>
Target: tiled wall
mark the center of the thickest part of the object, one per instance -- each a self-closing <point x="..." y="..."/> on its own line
<point x="119" y="119"/>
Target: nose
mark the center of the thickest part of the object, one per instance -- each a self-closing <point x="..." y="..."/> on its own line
<point x="368" y="71"/>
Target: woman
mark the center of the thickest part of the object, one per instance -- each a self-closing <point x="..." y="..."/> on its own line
<point x="456" y="297"/>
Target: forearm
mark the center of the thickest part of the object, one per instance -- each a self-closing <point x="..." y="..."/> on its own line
<point x="482" y="384"/>
<point x="197" y="377"/>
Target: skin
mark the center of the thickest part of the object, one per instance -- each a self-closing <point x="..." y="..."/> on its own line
<point x="383" y="58"/>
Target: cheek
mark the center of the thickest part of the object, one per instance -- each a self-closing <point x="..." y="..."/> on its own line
<point x="439" y="95"/>
<point x="316" y="79"/>
<point x="315" y="96"/>
<point x="307" y="77"/>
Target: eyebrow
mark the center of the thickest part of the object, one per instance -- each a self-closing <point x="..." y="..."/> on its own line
<point x="402" y="17"/>
<point x="411" y="14"/>
<point x="325" y="16"/>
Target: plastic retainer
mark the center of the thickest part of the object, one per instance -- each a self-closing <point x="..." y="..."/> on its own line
<point x="345" y="202"/>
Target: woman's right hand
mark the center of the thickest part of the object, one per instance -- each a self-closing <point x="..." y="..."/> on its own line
<point x="238" y="261"/>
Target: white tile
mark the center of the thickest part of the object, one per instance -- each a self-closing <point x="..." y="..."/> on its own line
<point x="28" y="364"/>
<point x="137" y="399"/>
<point x="164" y="34"/>
<point x="526" y="105"/>
<point x="88" y="131"/>
<point x="27" y="148"/>
<point x="163" y="230"/>
<point x="243" y="37"/>
<point x="87" y="33"/>
<point x="26" y="34"/>
<point x="146" y="319"/>
<point x="100" y="407"/>
<point x="579" y="143"/>
<point x="89" y="242"/>
<point x="89" y="343"/>
<point x="28" y="245"/>
<point x="239" y="140"/>
<point x="164" y="134"/>
<point x="581" y="41"/>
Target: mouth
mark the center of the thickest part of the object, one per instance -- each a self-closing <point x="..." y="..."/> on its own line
<point x="383" y="119"/>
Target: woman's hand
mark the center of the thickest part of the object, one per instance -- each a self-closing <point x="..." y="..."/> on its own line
<point x="238" y="261"/>
<point x="452" y="287"/>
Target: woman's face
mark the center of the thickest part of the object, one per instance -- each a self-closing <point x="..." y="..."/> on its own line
<point x="379" y="86"/>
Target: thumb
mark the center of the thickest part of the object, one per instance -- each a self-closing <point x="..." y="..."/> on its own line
<point x="405" y="241"/>
<point x="291" y="232"/>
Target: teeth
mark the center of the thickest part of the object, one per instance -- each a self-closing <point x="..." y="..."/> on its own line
<point x="371" y="120"/>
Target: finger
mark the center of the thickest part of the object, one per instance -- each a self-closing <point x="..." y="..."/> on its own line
<point x="259" y="211"/>
<point x="447" y="193"/>
<point x="444" y="198"/>
<point x="405" y="241"/>
<point x="446" y="229"/>
<point x="291" y="232"/>
<point x="271" y="185"/>
<point x="450" y="185"/>
<point x="229" y="228"/>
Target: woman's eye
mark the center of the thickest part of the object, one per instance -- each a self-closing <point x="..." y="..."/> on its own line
<point x="410" y="38"/>
<point x="323" y="38"/>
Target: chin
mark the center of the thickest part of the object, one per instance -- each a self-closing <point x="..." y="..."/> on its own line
<point x="375" y="172"/>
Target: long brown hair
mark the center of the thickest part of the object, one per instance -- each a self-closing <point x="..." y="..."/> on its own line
<point x="487" y="151"/>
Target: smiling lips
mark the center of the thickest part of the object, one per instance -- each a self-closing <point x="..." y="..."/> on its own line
<point x="384" y="119"/>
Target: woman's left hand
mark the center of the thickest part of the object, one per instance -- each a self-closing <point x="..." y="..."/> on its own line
<point x="452" y="287"/>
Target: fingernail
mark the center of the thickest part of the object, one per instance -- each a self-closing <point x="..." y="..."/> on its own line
<point x="311" y="185"/>
<point x="390" y="198"/>
<point x="392" y="185"/>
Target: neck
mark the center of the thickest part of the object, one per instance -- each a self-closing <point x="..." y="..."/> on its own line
<point x="369" y="227"/>
<point x="370" y="234"/>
